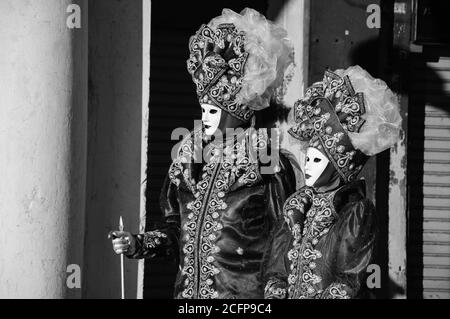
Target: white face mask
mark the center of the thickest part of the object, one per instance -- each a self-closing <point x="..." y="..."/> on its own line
<point x="211" y="116"/>
<point x="316" y="163"/>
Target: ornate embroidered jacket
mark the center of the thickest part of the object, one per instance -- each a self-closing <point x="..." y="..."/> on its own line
<point x="323" y="247"/>
<point x="219" y="216"/>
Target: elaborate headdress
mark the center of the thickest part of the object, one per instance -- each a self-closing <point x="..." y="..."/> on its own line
<point x="239" y="62"/>
<point x="349" y="116"/>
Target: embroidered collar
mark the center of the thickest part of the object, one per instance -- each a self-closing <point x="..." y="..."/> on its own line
<point x="238" y="153"/>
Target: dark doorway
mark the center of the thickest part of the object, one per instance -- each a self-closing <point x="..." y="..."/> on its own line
<point x="173" y="104"/>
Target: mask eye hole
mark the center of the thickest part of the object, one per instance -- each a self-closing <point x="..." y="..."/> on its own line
<point x="307" y="159"/>
<point x="203" y="110"/>
<point x="317" y="160"/>
<point x="213" y="111"/>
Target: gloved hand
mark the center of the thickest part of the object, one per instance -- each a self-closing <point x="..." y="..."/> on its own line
<point x="296" y="208"/>
<point x="123" y="242"/>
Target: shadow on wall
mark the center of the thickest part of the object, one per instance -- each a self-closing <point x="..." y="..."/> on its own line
<point x="407" y="74"/>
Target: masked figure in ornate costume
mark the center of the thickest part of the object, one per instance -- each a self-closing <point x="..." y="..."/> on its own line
<point x="219" y="206"/>
<point x="326" y="242"/>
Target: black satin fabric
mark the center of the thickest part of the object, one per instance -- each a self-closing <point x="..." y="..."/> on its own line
<point x="345" y="251"/>
<point x="228" y="121"/>
<point x="329" y="180"/>
<point x="227" y="125"/>
<point x="251" y="213"/>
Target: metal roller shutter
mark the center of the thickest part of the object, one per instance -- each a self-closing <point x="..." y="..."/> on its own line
<point x="430" y="165"/>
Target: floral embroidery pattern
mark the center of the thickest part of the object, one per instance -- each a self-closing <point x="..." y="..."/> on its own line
<point x="153" y="239"/>
<point x="192" y="229"/>
<point x="218" y="81"/>
<point x="273" y="291"/>
<point x="319" y="219"/>
<point x="229" y="165"/>
<point x="295" y="209"/>
<point x="185" y="155"/>
<point x="330" y="111"/>
<point x="336" y="291"/>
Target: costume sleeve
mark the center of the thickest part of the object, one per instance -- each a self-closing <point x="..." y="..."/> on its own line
<point x="162" y="240"/>
<point x="274" y="268"/>
<point x="355" y="235"/>
<point x="276" y="264"/>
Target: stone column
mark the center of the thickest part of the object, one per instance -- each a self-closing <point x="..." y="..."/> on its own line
<point x="43" y="127"/>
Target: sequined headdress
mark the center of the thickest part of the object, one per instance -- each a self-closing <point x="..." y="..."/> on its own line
<point x="239" y="62"/>
<point x="348" y="126"/>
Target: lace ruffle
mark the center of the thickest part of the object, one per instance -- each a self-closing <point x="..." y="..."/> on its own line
<point x="271" y="57"/>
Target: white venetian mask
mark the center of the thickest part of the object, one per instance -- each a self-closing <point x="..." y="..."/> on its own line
<point x="316" y="163"/>
<point x="211" y="116"/>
